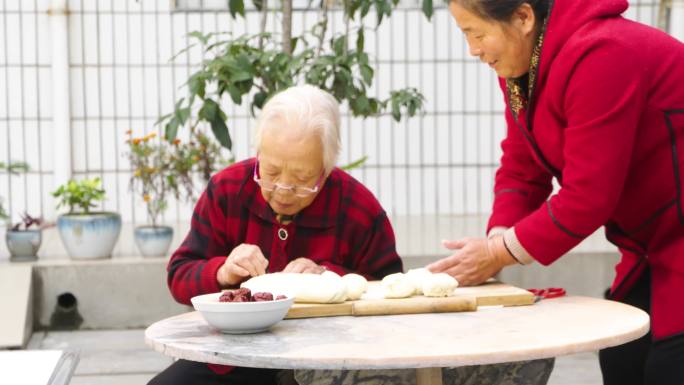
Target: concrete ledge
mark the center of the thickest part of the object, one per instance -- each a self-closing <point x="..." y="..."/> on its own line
<point x="16" y="294"/>
<point x="111" y="294"/>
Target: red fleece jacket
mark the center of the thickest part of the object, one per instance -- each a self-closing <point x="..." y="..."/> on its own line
<point x="606" y="118"/>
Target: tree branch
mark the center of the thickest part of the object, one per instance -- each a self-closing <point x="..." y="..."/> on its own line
<point x="262" y="25"/>
<point x="287" y="26"/>
<point x="323" y="25"/>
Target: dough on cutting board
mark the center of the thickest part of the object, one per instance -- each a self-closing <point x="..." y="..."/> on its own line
<point x="356" y="285"/>
<point x="439" y="285"/>
<point x="417" y="277"/>
<point x="331" y="274"/>
<point x="397" y="285"/>
<point x="304" y="287"/>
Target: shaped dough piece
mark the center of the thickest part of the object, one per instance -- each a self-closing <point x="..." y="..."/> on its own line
<point x="356" y="285"/>
<point x="417" y="277"/>
<point x="439" y="285"/>
<point x="304" y="287"/>
<point x="332" y="274"/>
<point x="397" y="286"/>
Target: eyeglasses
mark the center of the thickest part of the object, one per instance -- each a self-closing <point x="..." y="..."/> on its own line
<point x="300" y="191"/>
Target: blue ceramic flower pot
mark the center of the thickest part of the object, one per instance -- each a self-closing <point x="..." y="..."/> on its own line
<point x="23" y="245"/>
<point x="153" y="241"/>
<point x="89" y="236"/>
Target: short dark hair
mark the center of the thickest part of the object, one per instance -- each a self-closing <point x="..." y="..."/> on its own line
<point x="502" y="10"/>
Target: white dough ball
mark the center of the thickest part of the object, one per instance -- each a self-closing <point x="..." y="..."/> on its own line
<point x="329" y="273"/>
<point x="417" y="277"/>
<point x="397" y="286"/>
<point x="356" y="285"/>
<point x="439" y="285"/>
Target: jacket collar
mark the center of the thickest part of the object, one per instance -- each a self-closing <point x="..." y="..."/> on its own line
<point x="520" y="94"/>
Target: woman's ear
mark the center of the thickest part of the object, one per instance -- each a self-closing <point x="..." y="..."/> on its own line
<point x="524" y="19"/>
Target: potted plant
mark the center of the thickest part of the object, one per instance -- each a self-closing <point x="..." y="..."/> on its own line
<point x="86" y="234"/>
<point x="13" y="168"/>
<point x="151" y="178"/>
<point x="23" y="238"/>
<point x="161" y="169"/>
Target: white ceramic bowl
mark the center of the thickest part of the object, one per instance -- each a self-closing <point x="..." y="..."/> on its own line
<point x="241" y="317"/>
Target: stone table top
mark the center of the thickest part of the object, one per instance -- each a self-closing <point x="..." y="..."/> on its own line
<point x="549" y="328"/>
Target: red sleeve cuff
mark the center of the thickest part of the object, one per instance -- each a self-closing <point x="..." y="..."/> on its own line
<point x="208" y="274"/>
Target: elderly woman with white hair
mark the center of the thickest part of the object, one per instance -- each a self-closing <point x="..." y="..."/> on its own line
<point x="287" y="209"/>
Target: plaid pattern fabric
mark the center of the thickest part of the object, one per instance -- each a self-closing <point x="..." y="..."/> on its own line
<point x="344" y="229"/>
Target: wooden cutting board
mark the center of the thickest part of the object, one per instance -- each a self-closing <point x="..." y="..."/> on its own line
<point x="493" y="293"/>
<point x="372" y="303"/>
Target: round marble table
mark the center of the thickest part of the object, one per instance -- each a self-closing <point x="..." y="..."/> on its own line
<point x="549" y="328"/>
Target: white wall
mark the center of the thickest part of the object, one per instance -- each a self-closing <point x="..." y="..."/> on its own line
<point x="121" y="79"/>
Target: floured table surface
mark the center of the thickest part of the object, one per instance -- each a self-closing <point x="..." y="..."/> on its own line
<point x="549" y="328"/>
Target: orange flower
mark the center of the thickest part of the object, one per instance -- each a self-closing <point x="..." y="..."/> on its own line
<point x="176" y="141"/>
<point x="146" y="197"/>
<point x="129" y="132"/>
<point x="136" y="140"/>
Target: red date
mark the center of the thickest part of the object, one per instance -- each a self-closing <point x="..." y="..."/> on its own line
<point x="245" y="295"/>
<point x="257" y="297"/>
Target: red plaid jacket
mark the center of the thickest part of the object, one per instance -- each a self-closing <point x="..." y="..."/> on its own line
<point x="344" y="229"/>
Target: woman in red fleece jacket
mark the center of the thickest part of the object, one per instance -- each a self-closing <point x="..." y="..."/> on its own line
<point x="597" y="102"/>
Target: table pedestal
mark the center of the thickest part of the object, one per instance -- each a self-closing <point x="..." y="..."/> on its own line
<point x="429" y="376"/>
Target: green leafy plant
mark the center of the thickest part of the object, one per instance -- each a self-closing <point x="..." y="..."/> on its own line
<point x="3" y="213"/>
<point x="79" y="195"/>
<point x="200" y="155"/>
<point x="12" y="168"/>
<point x="161" y="168"/>
<point x="252" y="68"/>
<point x="355" y="164"/>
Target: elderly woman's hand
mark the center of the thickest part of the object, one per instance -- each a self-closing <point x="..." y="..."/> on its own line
<point x="474" y="261"/>
<point x="243" y="262"/>
<point x="303" y="265"/>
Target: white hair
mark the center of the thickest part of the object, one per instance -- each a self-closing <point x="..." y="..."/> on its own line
<point x="310" y="111"/>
